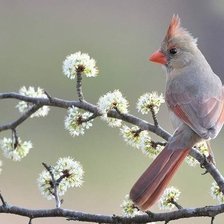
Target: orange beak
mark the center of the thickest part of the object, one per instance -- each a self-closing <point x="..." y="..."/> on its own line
<point x="158" y="57"/>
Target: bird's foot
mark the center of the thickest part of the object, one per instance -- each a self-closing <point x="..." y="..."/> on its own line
<point x="208" y="159"/>
<point x="211" y="159"/>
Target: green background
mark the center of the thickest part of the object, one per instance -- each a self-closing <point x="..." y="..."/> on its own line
<point x="35" y="38"/>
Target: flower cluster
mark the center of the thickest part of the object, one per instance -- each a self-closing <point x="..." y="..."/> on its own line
<point x="75" y="121"/>
<point x="202" y="147"/>
<point x="134" y="136"/>
<point x="216" y="193"/>
<point x="67" y="174"/>
<point x="140" y="139"/>
<point x="151" y="151"/>
<point x="15" y="151"/>
<point x="170" y="195"/>
<point x="79" y="63"/>
<point x="24" y="106"/>
<point x="46" y="185"/>
<point x="112" y="100"/>
<point x="71" y="170"/>
<point x="148" y="101"/>
<point x="128" y="207"/>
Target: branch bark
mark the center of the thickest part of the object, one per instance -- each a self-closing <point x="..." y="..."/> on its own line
<point x="208" y="211"/>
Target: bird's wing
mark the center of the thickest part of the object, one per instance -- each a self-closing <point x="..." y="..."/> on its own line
<point x="205" y="115"/>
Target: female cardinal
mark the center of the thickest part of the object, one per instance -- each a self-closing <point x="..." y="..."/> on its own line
<point x="195" y="99"/>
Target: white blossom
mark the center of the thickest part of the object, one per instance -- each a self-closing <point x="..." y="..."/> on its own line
<point x="67" y="173"/>
<point x="202" y="147"/>
<point x="216" y="193"/>
<point x="13" y="152"/>
<point x="45" y="184"/>
<point x="170" y="194"/>
<point x="112" y="100"/>
<point x="24" y="106"/>
<point x="75" y="121"/>
<point x="72" y="170"/>
<point x="112" y="122"/>
<point x="140" y="139"/>
<point x="128" y="208"/>
<point x="134" y="136"/>
<point x="150" y="100"/>
<point x="149" y="150"/>
<point x="79" y="62"/>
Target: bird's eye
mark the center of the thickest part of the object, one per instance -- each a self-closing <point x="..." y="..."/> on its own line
<point x="173" y="51"/>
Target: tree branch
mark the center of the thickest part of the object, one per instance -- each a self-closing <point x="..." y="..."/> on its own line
<point x="21" y="119"/>
<point x="207" y="211"/>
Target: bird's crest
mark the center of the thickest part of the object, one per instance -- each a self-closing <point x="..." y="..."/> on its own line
<point x="174" y="27"/>
<point x="175" y="30"/>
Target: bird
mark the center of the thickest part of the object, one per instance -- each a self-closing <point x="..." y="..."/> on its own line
<point x="194" y="95"/>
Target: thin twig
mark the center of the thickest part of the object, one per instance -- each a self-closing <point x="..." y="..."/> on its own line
<point x="4" y="204"/>
<point x="79" y="87"/>
<point x="118" y="111"/>
<point x="58" y="181"/>
<point x="30" y="221"/>
<point x="93" y="116"/>
<point x="156" y="123"/>
<point x="15" y="139"/>
<point x="155" y="144"/>
<point x="176" y="204"/>
<point x="55" y="185"/>
<point x="21" y="119"/>
<point x="137" y="132"/>
<point x="48" y="95"/>
<point x="150" y="214"/>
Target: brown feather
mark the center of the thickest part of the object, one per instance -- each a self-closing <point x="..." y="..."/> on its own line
<point x="154" y="180"/>
<point x="161" y="187"/>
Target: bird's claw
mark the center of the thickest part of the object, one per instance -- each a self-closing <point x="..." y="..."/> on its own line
<point x="208" y="159"/>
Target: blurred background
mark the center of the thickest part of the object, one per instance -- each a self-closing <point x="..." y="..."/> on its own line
<point x="35" y="38"/>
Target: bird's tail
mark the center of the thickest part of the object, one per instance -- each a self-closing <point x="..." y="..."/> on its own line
<point x="154" y="180"/>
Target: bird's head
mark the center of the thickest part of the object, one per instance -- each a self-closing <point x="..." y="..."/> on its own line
<point x="178" y="48"/>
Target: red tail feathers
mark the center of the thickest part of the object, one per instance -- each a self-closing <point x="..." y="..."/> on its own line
<point x="154" y="180"/>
